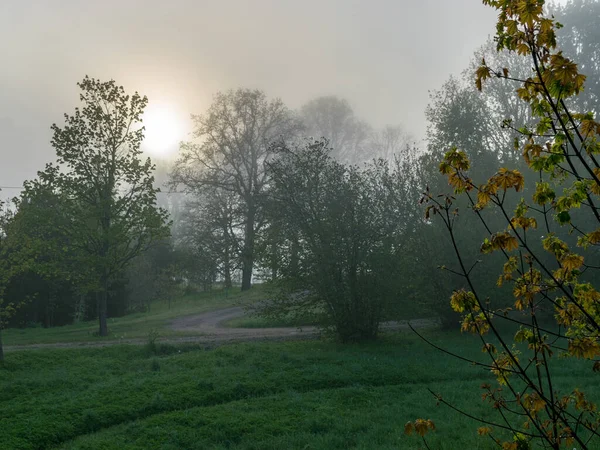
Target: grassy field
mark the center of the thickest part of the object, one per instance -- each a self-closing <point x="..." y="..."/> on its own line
<point x="139" y="325"/>
<point x="292" y="395"/>
<point x="136" y="325"/>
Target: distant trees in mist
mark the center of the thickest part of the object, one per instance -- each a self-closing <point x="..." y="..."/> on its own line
<point x="231" y="228"/>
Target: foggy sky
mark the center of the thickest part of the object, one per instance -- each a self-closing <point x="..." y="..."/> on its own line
<point x="381" y="55"/>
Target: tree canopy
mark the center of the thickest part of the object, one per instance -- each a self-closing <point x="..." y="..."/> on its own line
<point x="106" y="190"/>
<point x="233" y="143"/>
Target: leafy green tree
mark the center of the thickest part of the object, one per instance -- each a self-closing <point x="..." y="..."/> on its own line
<point x="12" y="265"/>
<point x="6" y="308"/>
<point x="107" y="189"/>
<point x="457" y="115"/>
<point x="350" y="228"/>
<point x="275" y="246"/>
<point x="545" y="271"/>
<point x="38" y="238"/>
<point x="233" y="144"/>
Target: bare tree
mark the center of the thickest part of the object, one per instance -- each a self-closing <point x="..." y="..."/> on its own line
<point x="388" y="143"/>
<point x="332" y="118"/>
<point x="233" y="142"/>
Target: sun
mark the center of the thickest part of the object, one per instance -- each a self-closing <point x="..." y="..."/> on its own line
<point x="164" y="129"/>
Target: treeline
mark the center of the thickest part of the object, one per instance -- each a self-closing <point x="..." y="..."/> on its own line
<point x="272" y="198"/>
<point x="315" y="201"/>
<point x="66" y="256"/>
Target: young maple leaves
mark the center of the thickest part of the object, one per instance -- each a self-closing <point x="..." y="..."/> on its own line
<point x="562" y="147"/>
<point x="420" y="427"/>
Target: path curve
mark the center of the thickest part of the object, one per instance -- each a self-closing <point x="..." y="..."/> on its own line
<point x="209" y="329"/>
<point x="212" y="323"/>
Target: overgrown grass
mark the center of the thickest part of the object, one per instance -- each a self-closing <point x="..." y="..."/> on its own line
<point x="136" y="325"/>
<point x="296" y="395"/>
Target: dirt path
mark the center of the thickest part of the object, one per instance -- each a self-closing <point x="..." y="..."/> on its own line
<point x="209" y="329"/>
<point x="212" y="324"/>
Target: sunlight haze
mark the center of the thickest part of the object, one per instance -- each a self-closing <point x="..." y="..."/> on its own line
<point x="383" y="56"/>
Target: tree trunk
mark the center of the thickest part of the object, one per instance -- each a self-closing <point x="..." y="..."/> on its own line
<point x="1" y="348"/>
<point x="227" y="276"/>
<point x="102" y="307"/>
<point x="274" y="262"/>
<point x="80" y="312"/>
<point x="106" y="224"/>
<point x="248" y="251"/>
<point x="294" y="259"/>
<point x="227" y="269"/>
<point x="246" y="273"/>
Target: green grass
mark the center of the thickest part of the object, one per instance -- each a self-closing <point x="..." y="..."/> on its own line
<point x="296" y="395"/>
<point x="136" y="325"/>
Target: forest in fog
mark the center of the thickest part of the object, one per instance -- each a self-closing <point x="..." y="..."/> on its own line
<point x="316" y="219"/>
<point x="259" y="187"/>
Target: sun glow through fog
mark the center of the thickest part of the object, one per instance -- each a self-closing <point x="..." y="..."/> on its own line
<point x="164" y="129"/>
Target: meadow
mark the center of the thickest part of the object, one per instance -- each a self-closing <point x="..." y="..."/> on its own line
<point x="137" y="325"/>
<point x="269" y="395"/>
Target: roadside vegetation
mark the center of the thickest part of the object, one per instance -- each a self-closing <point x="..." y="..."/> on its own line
<point x="293" y="395"/>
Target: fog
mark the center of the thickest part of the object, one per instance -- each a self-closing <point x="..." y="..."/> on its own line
<point x="353" y="229"/>
<point x="382" y="56"/>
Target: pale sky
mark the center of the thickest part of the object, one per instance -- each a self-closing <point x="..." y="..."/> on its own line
<point x="382" y="55"/>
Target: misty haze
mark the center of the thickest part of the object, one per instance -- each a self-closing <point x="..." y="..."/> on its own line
<point x="323" y="224"/>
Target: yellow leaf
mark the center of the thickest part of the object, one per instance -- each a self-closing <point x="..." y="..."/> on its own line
<point x="422" y="426"/>
<point x="462" y="300"/>
<point x="504" y="241"/>
<point x="522" y="48"/>
<point x="586" y="347"/>
<point x="594" y="236"/>
<point x="595" y="188"/>
<point x="482" y="431"/>
<point x="481" y="74"/>
<point x="572" y="261"/>
<point x="588" y="127"/>
<point x="507" y="179"/>
<point x="483" y="198"/>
